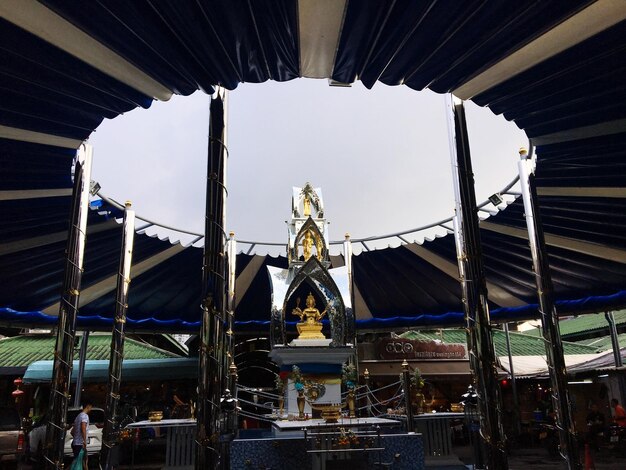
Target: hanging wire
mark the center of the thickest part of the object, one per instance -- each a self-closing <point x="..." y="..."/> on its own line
<point x="242" y="388"/>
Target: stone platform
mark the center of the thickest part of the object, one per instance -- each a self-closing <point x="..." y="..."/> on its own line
<point x="318" y="424"/>
<point x="397" y="451"/>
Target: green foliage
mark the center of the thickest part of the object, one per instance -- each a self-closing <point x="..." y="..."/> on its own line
<point x="417" y="381"/>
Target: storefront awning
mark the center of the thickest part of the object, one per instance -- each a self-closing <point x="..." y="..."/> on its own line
<point x="133" y="370"/>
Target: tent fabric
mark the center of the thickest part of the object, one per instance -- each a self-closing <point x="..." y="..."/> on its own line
<point x="570" y="101"/>
<point x="535" y="366"/>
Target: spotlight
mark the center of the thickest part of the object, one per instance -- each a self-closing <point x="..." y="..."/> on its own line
<point x="94" y="187"/>
<point x="496" y="199"/>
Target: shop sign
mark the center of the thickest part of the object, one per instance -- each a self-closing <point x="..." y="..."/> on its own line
<point x="402" y="348"/>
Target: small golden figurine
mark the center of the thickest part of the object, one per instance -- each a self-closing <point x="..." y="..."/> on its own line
<point x="307" y="205"/>
<point x="309" y="326"/>
<point x="319" y="245"/>
<point x="307" y="245"/>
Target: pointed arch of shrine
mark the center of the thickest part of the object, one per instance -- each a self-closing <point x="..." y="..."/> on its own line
<point x="319" y="243"/>
<point x="323" y="286"/>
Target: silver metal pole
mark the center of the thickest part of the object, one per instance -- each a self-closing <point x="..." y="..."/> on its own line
<point x="347" y="256"/>
<point x="230" y="334"/>
<point x="366" y="377"/>
<point x="82" y="357"/>
<point x="111" y="427"/>
<point x="480" y="340"/>
<point x="351" y="326"/>
<point x="212" y="340"/>
<point x="516" y="415"/>
<point x="68" y="310"/>
<point x="231" y="250"/>
<point x="549" y="316"/>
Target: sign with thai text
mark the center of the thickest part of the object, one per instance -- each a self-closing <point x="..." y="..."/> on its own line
<point x="402" y="348"/>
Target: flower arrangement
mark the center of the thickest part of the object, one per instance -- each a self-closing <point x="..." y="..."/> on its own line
<point x="348" y="375"/>
<point x="347" y="438"/>
<point x="417" y="380"/>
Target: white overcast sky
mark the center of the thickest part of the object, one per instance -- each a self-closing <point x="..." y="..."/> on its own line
<point x="381" y="157"/>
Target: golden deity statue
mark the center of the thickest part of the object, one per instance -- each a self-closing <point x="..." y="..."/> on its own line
<point x="319" y="245"/>
<point x="307" y="245"/>
<point x="309" y="326"/>
<point x="307" y="205"/>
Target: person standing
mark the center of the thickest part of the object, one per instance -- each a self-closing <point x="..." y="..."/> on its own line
<point x="620" y="413"/>
<point x="595" y="426"/>
<point x="80" y="431"/>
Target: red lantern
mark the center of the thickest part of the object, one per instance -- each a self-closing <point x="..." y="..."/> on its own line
<point x="17" y="393"/>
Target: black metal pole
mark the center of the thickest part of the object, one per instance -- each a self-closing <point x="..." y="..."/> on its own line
<point x="549" y="316"/>
<point x="617" y="355"/>
<point x="82" y="357"/>
<point x="68" y="310"/>
<point x="406" y="383"/>
<point x="475" y="292"/>
<point x="111" y="426"/>
<point x="210" y="362"/>
<point x="516" y="416"/>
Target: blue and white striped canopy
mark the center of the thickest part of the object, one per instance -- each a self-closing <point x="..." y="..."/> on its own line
<point x="557" y="69"/>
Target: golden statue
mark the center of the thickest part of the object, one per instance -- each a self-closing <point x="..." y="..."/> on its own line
<point x="307" y="205"/>
<point x="309" y="326"/>
<point x="307" y="245"/>
<point x="319" y="245"/>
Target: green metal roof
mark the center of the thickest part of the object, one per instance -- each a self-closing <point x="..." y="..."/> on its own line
<point x="521" y="344"/>
<point x="20" y="351"/>
<point x="604" y="342"/>
<point x="590" y="323"/>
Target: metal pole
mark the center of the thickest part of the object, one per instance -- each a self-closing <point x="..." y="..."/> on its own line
<point x="210" y="362"/>
<point x="68" y="310"/>
<point x="406" y="383"/>
<point x="617" y="354"/>
<point x="82" y="357"/>
<point x="549" y="316"/>
<point x="233" y="415"/>
<point x="230" y="335"/>
<point x="111" y="426"/>
<point x="516" y="415"/>
<point x="347" y="256"/>
<point x="475" y="290"/>
<point x="351" y="327"/>
<point x="366" y="377"/>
